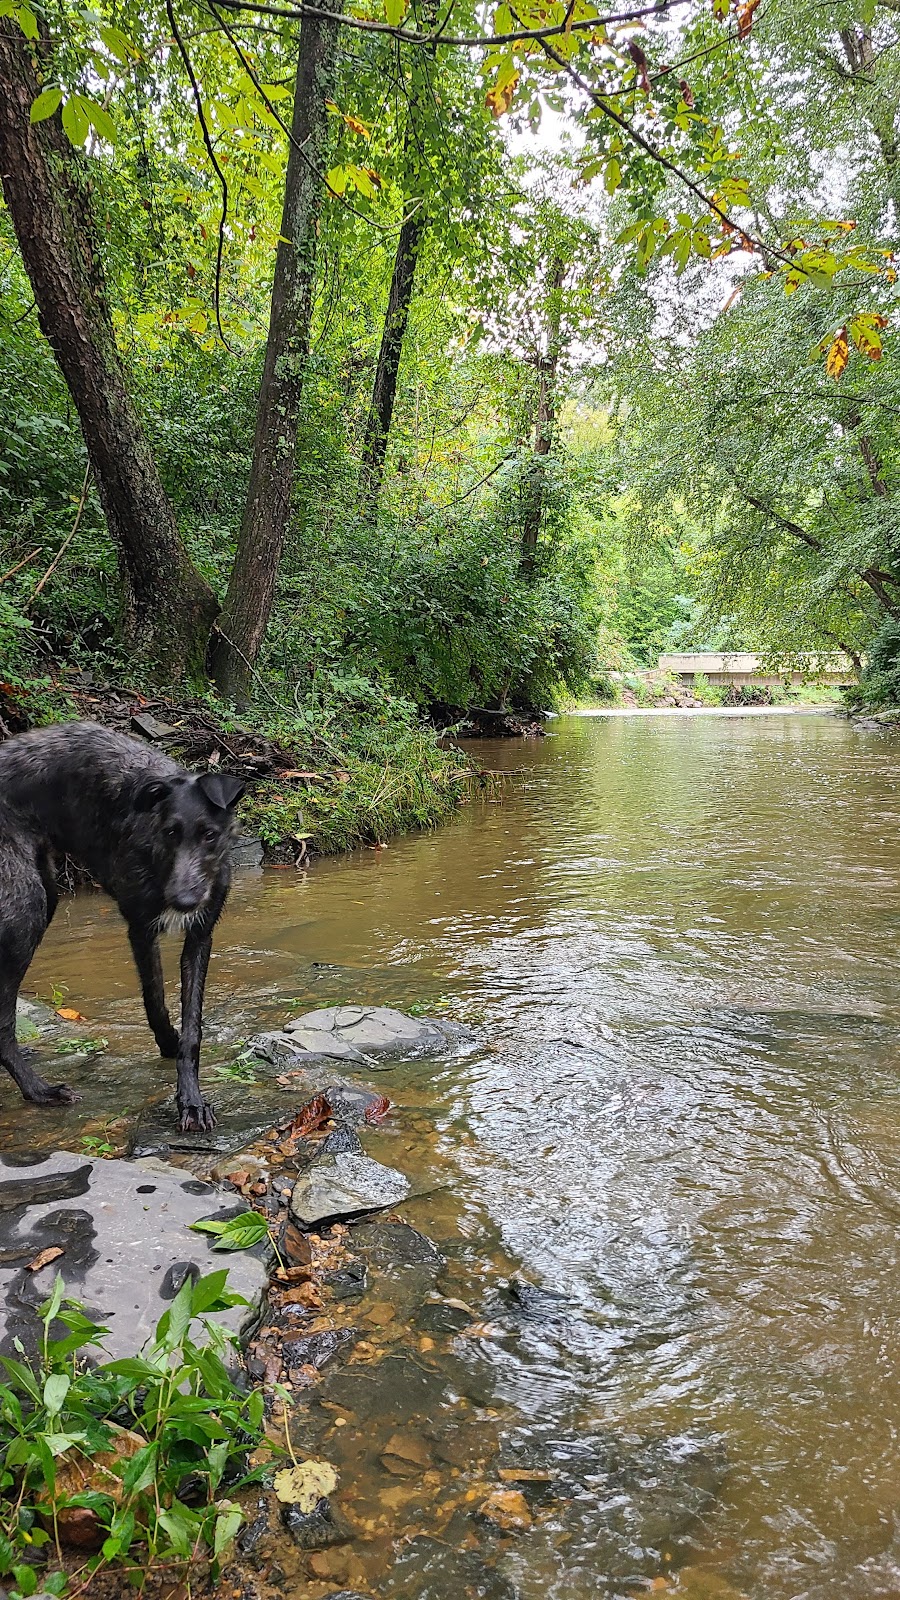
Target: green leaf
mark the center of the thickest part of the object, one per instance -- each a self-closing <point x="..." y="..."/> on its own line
<point x="45" y="104"/>
<point x="76" y="124"/>
<point x="141" y="1470"/>
<point x="22" y="1377"/>
<point x="395" y="11"/>
<point x="27" y="21"/>
<point x="613" y="177"/>
<point x="238" y="1233"/>
<point x="227" y="1523"/>
<point x="56" y="1388"/>
<point x="101" y="121"/>
<point x="50" y="1307"/>
<point x="25" y="1579"/>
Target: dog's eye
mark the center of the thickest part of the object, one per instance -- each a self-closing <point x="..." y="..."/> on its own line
<point x="210" y="836"/>
<point x="173" y="832"/>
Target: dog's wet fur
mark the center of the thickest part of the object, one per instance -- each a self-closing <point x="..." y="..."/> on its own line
<point x="153" y="836"/>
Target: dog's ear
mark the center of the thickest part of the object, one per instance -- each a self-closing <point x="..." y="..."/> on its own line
<point x="220" y="789"/>
<point x="151" y="793"/>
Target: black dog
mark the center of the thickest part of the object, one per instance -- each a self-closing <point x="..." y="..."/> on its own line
<point x="156" y="839"/>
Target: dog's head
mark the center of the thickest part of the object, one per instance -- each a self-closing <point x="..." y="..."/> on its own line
<point x="193" y="820"/>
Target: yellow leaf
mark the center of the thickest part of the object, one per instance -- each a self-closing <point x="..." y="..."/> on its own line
<point x="357" y="126"/>
<point x="395" y="11"/>
<point x="499" y="99"/>
<point x="864" y="330"/>
<point x="306" y="1484"/>
<point x="838" y="355"/>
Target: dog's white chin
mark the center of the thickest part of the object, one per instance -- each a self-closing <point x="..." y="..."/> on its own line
<point x="171" y="921"/>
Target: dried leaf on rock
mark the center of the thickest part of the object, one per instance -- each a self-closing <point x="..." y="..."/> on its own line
<point x="44" y="1257"/>
<point x="306" y="1484"/>
<point x="70" y="1014"/>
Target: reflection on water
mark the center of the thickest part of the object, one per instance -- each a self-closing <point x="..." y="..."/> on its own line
<point x="679" y="941"/>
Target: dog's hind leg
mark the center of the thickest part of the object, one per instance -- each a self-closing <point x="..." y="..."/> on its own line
<point x="145" y="949"/>
<point x="23" y="920"/>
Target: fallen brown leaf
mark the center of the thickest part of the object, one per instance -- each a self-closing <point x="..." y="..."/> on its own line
<point x="44" y="1257"/>
<point x="70" y="1014"/>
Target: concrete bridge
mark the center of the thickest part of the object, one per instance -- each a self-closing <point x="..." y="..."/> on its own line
<point x="740" y="667"/>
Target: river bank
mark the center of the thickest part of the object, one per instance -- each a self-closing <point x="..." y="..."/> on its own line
<point x="355" y="773"/>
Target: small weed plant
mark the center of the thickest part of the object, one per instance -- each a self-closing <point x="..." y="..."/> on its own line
<point x="150" y="1447"/>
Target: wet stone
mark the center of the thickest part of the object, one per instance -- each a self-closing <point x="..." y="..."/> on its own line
<point x="317" y="1349"/>
<point x="351" y="1101"/>
<point x="436" y="1316"/>
<point x="349" y="1282"/>
<point x="389" y="1394"/>
<point x="397" y="1246"/>
<point x="344" y="1186"/>
<point x="126" y="1239"/>
<point x="535" y="1303"/>
<point x="361" y="1033"/>
<point x="632" y="1502"/>
<point x="244" y="1113"/>
<point x="429" y="1570"/>
<point x="317" y="1529"/>
<point x="341" y="1142"/>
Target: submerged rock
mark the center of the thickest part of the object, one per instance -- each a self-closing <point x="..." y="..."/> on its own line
<point x="126" y="1245"/>
<point x="357" y="1034"/>
<point x="429" y="1569"/>
<point x="345" y="1186"/>
<point x="316" y="1349"/>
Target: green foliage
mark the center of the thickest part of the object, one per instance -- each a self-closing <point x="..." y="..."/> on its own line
<point x="240" y="1232"/>
<point x="166" y="1431"/>
<point x="879" y="686"/>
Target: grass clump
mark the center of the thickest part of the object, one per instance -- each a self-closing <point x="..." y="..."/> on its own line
<point x="138" y="1451"/>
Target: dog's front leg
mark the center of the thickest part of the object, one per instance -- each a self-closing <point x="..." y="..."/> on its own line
<point x="145" y="949"/>
<point x="196" y="1113"/>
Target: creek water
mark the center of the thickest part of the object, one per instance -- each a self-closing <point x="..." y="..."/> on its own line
<point x="676" y="942"/>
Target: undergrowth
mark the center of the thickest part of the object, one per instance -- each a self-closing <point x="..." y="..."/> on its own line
<point x="144" y="1452"/>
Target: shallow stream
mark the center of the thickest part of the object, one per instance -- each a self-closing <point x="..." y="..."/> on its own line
<point x="676" y="939"/>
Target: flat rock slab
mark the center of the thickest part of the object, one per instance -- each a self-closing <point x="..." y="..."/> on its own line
<point x="346" y="1186"/>
<point x="124" y="1233"/>
<point x="359" y="1033"/>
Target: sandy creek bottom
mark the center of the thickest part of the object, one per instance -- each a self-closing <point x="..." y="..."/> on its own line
<point x="676" y="942"/>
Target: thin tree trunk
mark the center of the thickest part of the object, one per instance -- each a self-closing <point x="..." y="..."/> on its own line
<point x="251" y="589"/>
<point x="168" y="608"/>
<point x="548" y="373"/>
<point x="384" y="389"/>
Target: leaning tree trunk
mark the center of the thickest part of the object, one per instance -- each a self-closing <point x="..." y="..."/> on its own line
<point x="548" y="373"/>
<point x="251" y="588"/>
<point x="168" y="608"/>
<point x="384" y="389"/>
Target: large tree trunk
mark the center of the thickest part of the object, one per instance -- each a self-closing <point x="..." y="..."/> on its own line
<point x="384" y="389"/>
<point x="251" y="589"/>
<point x="545" y="418"/>
<point x="168" y="608"/>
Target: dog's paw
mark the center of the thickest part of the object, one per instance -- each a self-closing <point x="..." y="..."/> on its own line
<point x="198" y="1119"/>
<point x="56" y="1095"/>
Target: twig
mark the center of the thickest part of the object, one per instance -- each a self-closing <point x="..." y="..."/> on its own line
<point x="68" y="539"/>
<point x="19" y="564"/>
